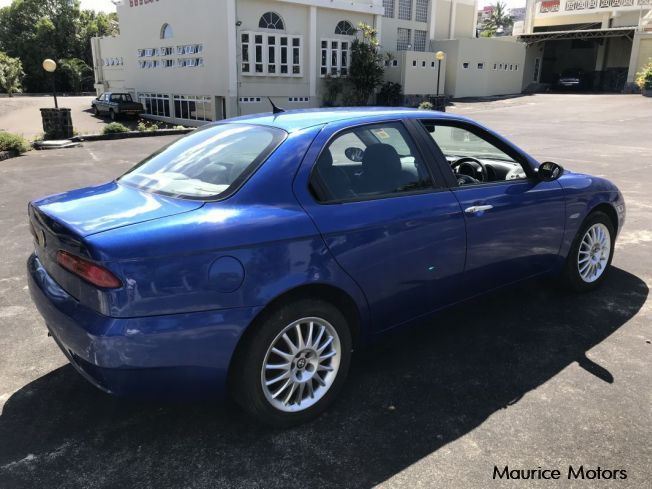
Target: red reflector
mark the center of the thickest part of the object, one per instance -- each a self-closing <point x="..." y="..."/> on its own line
<point x="87" y="270"/>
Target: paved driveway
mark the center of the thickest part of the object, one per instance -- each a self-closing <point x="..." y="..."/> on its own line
<point x="526" y="377"/>
<point x="21" y="115"/>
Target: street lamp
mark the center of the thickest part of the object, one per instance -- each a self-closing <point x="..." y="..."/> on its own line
<point x="49" y="65"/>
<point x="439" y="56"/>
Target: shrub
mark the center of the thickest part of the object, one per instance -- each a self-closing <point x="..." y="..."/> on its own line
<point x="426" y="106"/>
<point x="179" y="127"/>
<point x="389" y="94"/>
<point x="13" y="142"/>
<point x="114" y="128"/>
<point x="332" y="88"/>
<point x="144" y="126"/>
<point x="644" y="77"/>
<point x="366" y="67"/>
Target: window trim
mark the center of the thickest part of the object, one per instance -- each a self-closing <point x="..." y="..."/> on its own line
<point x="271" y="29"/>
<point x="407" y="125"/>
<point x="351" y="26"/>
<point x="265" y="50"/>
<point x="444" y="167"/>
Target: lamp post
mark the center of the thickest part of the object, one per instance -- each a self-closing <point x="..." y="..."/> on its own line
<point x="49" y="65"/>
<point x="439" y="56"/>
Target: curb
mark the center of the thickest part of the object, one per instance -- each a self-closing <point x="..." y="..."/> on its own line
<point x="5" y="155"/>
<point x="131" y="134"/>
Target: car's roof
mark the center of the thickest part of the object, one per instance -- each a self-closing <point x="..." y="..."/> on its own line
<point x="294" y="120"/>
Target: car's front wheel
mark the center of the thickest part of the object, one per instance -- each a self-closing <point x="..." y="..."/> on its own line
<point x="293" y="364"/>
<point x="591" y="253"/>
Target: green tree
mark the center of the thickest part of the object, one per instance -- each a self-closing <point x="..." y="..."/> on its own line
<point x="33" y="30"/>
<point x="366" y="70"/>
<point x="11" y="74"/>
<point x="498" y="22"/>
<point x="77" y="71"/>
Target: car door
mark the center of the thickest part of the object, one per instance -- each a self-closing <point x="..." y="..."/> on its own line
<point x="386" y="219"/>
<point x="101" y="104"/>
<point x="514" y="221"/>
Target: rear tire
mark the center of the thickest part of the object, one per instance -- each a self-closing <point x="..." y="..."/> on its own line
<point x="306" y="345"/>
<point x="590" y="254"/>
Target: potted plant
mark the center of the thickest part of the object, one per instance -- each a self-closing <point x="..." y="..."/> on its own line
<point x="644" y="79"/>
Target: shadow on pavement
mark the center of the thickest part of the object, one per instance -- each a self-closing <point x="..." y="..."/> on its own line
<point x="444" y="379"/>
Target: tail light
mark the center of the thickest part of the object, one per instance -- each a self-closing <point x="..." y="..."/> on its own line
<point x="87" y="270"/>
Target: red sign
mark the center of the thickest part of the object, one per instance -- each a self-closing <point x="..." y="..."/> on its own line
<point x="549" y="6"/>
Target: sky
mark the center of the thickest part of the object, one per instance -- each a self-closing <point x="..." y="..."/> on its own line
<point x="103" y="5"/>
<point x="509" y="3"/>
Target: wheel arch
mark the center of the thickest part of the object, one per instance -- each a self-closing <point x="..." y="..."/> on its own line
<point x="609" y="210"/>
<point x="327" y="292"/>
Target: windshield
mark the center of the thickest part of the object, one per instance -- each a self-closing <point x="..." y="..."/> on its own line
<point x="207" y="162"/>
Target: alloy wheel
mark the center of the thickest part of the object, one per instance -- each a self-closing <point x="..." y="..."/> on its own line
<point x="593" y="253"/>
<point x="301" y="364"/>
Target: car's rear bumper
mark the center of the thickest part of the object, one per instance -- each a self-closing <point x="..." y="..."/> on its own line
<point x="156" y="356"/>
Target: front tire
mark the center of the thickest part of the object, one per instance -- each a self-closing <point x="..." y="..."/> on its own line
<point x="293" y="364"/>
<point x="591" y="253"/>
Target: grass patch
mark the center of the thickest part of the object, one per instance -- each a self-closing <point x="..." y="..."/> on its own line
<point x="13" y="142"/>
<point x="114" y="128"/>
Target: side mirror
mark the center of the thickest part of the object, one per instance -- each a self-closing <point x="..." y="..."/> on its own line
<point x="549" y="171"/>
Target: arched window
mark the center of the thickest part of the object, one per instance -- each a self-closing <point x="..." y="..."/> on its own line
<point x="345" y="28"/>
<point x="271" y="20"/>
<point x="166" y="31"/>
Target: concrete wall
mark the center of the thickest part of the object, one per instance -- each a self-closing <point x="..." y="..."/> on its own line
<point x="641" y="54"/>
<point x="474" y="81"/>
<point x="417" y="73"/>
<point x="463" y="14"/>
<point x="109" y="77"/>
<point x="140" y="27"/>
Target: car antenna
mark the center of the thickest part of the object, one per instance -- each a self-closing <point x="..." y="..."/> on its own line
<point x="275" y="108"/>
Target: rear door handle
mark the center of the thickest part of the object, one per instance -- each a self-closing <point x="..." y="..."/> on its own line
<point x="474" y="209"/>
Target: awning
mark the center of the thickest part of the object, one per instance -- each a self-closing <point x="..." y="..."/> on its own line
<point x="627" y="32"/>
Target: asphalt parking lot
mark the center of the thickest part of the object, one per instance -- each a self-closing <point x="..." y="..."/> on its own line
<point x="527" y="377"/>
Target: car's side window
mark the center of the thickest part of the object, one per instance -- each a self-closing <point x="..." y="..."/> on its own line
<point x="473" y="159"/>
<point x="363" y="162"/>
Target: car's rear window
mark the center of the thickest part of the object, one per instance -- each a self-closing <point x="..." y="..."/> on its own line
<point x="207" y="163"/>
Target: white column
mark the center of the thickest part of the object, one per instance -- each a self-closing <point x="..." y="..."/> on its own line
<point x="378" y="25"/>
<point x="312" y="51"/>
<point x="232" y="46"/>
<point x="475" y="19"/>
<point x="633" y="57"/>
<point x="433" y="8"/>
<point x="451" y="20"/>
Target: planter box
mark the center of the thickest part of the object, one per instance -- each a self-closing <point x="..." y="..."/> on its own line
<point x="646" y="92"/>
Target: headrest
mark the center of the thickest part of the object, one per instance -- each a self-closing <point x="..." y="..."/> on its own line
<point x="381" y="158"/>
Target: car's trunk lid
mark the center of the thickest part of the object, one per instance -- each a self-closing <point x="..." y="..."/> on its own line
<point x="94" y="210"/>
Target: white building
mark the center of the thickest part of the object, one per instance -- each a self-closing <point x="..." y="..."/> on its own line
<point x="192" y="61"/>
<point x="607" y="40"/>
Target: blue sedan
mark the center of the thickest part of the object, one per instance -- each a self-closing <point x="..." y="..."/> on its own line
<point x="253" y="255"/>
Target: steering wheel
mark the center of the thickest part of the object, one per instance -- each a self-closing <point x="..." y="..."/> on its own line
<point x="470" y="167"/>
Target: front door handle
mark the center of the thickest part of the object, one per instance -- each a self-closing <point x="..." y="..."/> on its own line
<point x="474" y="209"/>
